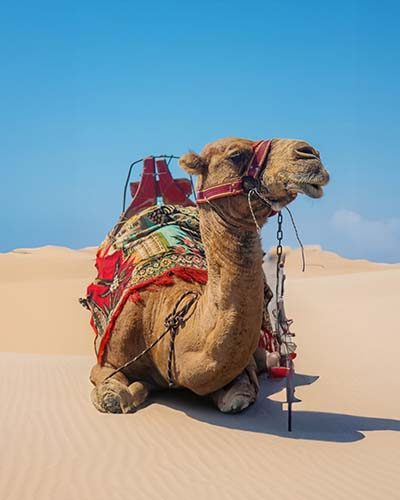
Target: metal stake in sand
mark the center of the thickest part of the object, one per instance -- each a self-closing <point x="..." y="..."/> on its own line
<point x="282" y="324"/>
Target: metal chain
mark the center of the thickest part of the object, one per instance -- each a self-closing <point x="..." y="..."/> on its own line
<point x="282" y="323"/>
<point x="279" y="251"/>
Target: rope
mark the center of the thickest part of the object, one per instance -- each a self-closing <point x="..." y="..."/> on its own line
<point x="173" y="323"/>
<point x="303" y="258"/>
<point x="251" y="209"/>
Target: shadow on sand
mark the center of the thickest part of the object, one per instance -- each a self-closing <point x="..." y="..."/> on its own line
<point x="269" y="417"/>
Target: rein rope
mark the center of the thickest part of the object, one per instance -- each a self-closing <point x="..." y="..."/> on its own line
<point x="173" y="323"/>
<point x="296" y="232"/>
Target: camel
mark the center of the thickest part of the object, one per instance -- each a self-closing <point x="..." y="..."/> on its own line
<point x="214" y="349"/>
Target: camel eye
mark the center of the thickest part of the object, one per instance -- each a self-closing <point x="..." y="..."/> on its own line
<point x="237" y="156"/>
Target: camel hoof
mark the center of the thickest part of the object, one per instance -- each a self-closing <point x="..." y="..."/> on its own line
<point x="113" y="397"/>
<point x="237" y="396"/>
<point x="237" y="404"/>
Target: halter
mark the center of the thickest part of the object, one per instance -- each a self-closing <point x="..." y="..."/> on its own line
<point x="248" y="181"/>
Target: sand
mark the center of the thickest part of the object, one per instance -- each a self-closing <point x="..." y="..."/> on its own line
<point x="346" y="439"/>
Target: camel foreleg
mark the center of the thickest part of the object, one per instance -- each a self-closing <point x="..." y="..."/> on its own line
<point x="240" y="393"/>
<point x="116" y="394"/>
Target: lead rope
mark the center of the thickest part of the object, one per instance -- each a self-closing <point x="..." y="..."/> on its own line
<point x="249" y="195"/>
<point x="173" y="323"/>
<point x="303" y="257"/>
<point x="296" y="232"/>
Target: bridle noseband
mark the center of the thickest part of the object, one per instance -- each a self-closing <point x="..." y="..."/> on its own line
<point x="249" y="181"/>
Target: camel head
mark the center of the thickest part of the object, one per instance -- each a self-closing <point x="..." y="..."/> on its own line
<point x="292" y="167"/>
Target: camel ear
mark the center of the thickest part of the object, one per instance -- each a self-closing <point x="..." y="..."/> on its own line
<point x="193" y="164"/>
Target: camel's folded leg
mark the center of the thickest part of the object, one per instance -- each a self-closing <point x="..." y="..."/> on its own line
<point x="240" y="393"/>
<point x="116" y="394"/>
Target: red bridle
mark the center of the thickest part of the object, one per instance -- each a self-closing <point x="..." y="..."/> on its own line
<point x="249" y="180"/>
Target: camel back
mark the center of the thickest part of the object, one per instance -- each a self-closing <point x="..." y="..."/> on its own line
<point x="147" y="250"/>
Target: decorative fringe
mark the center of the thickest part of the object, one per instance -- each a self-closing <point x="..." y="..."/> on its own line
<point x="188" y="274"/>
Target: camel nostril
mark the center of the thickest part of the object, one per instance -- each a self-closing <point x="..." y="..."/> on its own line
<point x="307" y="152"/>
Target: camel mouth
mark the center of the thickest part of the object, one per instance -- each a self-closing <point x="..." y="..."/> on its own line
<point x="312" y="190"/>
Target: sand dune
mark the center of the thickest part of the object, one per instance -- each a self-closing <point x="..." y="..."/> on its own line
<point x="346" y="439"/>
<point x="323" y="263"/>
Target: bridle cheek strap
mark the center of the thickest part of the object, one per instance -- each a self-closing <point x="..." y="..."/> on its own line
<point x="250" y="177"/>
<point x="259" y="159"/>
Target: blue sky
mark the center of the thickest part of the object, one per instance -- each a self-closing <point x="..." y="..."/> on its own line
<point x="87" y="87"/>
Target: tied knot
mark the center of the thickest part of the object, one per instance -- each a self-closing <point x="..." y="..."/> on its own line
<point x="173" y="322"/>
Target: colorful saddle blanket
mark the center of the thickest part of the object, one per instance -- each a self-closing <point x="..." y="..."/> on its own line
<point x="149" y="249"/>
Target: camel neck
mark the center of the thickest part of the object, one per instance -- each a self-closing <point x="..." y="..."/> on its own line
<point x="233" y="294"/>
<point x="227" y="321"/>
<point x="234" y="255"/>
